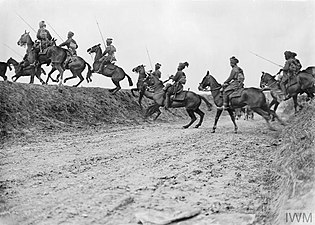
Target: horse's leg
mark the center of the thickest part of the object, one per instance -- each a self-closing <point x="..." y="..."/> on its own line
<point x="158" y="113"/>
<point x="33" y="74"/>
<point x="265" y="115"/>
<point x="61" y="70"/>
<point x="116" y="82"/>
<point x="192" y="116"/>
<point x="150" y="110"/>
<point x="217" y="116"/>
<point x="49" y="75"/>
<point x="133" y="90"/>
<point x="15" y="77"/>
<point x="201" y="114"/>
<point x="69" y="78"/>
<point x="296" y="104"/>
<point x="231" y="113"/>
<point x="38" y="74"/>
<point x="276" y="103"/>
<point x="140" y="98"/>
<point x="81" y="79"/>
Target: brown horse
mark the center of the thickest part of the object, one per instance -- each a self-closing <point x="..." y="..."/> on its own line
<point x="56" y="56"/>
<point x="141" y="84"/>
<point x="116" y="73"/>
<point x="191" y="101"/>
<point x="26" y="71"/>
<point x="304" y="84"/>
<point x="253" y="97"/>
<point x="3" y="69"/>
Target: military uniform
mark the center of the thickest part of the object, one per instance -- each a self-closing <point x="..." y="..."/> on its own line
<point x="291" y="68"/>
<point x="71" y="45"/>
<point x="157" y="73"/>
<point x="43" y="36"/>
<point x="179" y="81"/>
<point x="108" y="55"/>
<point x="234" y="82"/>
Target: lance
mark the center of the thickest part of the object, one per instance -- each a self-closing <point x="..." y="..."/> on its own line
<point x="149" y="57"/>
<point x="55" y="32"/>
<point x="12" y="50"/>
<point x="100" y="33"/>
<point x="26" y="22"/>
<point x="266" y="59"/>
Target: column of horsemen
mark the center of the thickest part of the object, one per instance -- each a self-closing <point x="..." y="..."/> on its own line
<point x="234" y="82"/>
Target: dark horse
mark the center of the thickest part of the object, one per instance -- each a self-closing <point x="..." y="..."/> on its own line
<point x="3" y="69"/>
<point x="26" y="71"/>
<point x="191" y="101"/>
<point x="141" y="84"/>
<point x="304" y="84"/>
<point x="117" y="74"/>
<point x="253" y="97"/>
<point x="56" y="56"/>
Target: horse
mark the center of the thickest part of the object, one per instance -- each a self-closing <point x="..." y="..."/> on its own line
<point x="56" y="56"/>
<point x="3" y="69"/>
<point x="141" y="84"/>
<point x="191" y="100"/>
<point x="116" y="73"/>
<point x="32" y="55"/>
<point x="305" y="84"/>
<point x="253" y="97"/>
<point x="26" y="71"/>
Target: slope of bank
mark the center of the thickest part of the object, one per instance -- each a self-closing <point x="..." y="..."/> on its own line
<point x="26" y="107"/>
<point x="293" y="173"/>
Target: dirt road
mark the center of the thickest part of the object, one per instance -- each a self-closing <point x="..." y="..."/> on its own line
<point x="117" y="175"/>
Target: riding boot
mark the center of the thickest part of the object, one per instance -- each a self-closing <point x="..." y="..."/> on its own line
<point x="100" y="69"/>
<point x="66" y="63"/>
<point x="284" y="90"/>
<point x="225" y="101"/>
<point x="167" y="102"/>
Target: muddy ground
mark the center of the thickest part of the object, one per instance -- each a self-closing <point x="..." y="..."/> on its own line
<point x="148" y="172"/>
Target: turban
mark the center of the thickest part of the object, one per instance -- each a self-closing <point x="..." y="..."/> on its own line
<point x="109" y="39"/>
<point x="158" y="64"/>
<point x="234" y="60"/>
<point x="183" y="65"/>
<point x="70" y="33"/>
<point x="41" y="24"/>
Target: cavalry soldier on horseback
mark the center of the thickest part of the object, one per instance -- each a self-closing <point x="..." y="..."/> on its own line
<point x="71" y="45"/>
<point x="179" y="80"/>
<point x="234" y="82"/>
<point x="43" y="36"/>
<point x="157" y="71"/>
<point x="108" y="55"/>
<point x="290" y="70"/>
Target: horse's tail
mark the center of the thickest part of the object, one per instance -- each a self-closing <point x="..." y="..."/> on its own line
<point x="89" y="73"/>
<point x="129" y="80"/>
<point x="209" y="105"/>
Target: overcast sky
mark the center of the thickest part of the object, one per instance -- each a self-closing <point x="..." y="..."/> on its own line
<point x="205" y="33"/>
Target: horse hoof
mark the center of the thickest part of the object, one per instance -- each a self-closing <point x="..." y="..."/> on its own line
<point x="185" y="127"/>
<point x="213" y="131"/>
<point x="197" y="126"/>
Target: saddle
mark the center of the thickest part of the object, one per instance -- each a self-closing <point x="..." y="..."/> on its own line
<point x="236" y="93"/>
<point x="109" y="69"/>
<point x="179" y="96"/>
<point x="177" y="93"/>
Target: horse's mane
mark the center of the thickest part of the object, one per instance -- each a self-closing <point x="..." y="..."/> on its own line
<point x="214" y="81"/>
